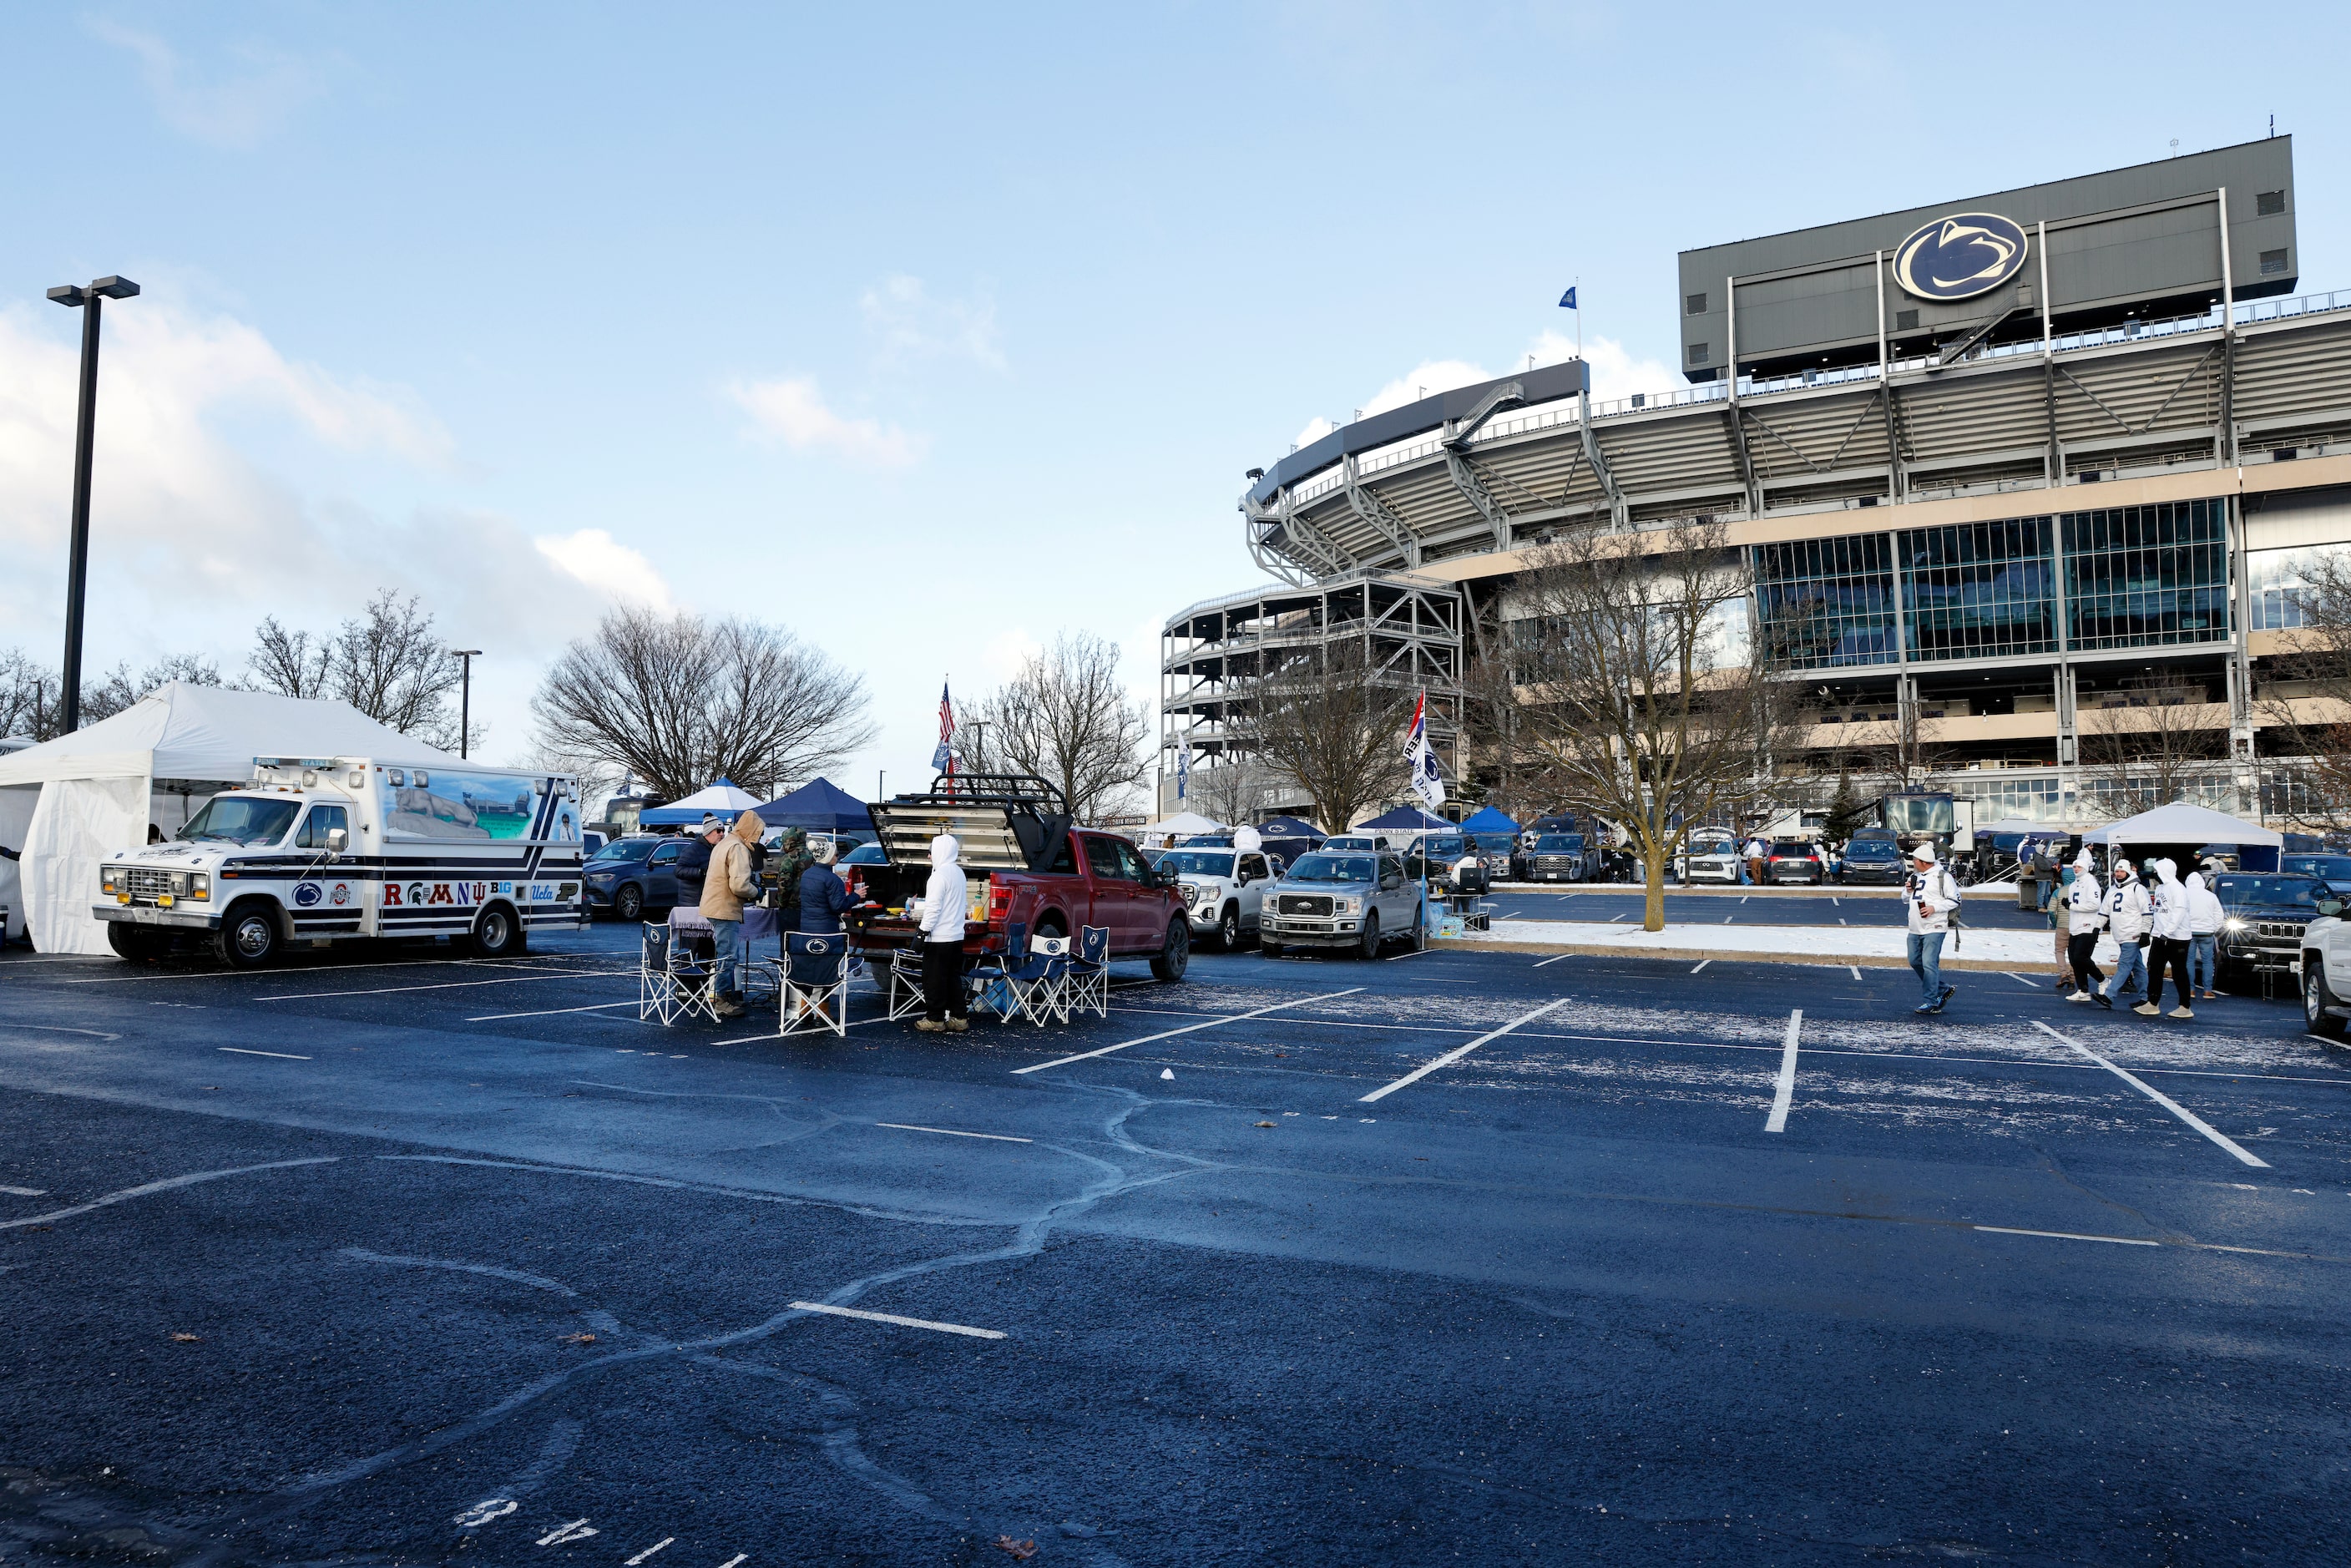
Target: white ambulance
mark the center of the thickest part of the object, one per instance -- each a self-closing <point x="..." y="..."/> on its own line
<point x="319" y="850"/>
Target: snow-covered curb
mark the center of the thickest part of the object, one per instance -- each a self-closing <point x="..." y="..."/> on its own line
<point x="1805" y="944"/>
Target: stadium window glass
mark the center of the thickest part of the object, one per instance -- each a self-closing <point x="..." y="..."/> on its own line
<point x="1979" y="591"/>
<point x="2146" y="576"/>
<point x="2277" y="579"/>
<point x="1826" y="603"/>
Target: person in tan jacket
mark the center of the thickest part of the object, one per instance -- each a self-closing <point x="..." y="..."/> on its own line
<point x="727" y="886"/>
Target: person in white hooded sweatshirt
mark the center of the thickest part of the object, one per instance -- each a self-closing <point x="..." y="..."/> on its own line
<point x="2168" y="921"/>
<point x="2204" y="917"/>
<point x="2126" y="918"/>
<point x="1932" y="894"/>
<point x="2085" y="916"/>
<point x="943" y="897"/>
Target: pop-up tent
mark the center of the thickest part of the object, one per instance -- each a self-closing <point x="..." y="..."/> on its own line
<point x="1290" y="837"/>
<point x="1182" y="825"/>
<point x="70" y="802"/>
<point x="721" y="800"/>
<point x="2189" y="828"/>
<point x="1405" y="819"/>
<point x="1490" y="828"/>
<point x="819" y="805"/>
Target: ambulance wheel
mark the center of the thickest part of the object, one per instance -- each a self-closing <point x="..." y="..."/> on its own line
<point x="136" y="944"/>
<point x="497" y="933"/>
<point x="249" y="937"/>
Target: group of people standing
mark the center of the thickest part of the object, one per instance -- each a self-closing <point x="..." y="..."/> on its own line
<point x="731" y="865"/>
<point x="2160" y="925"/>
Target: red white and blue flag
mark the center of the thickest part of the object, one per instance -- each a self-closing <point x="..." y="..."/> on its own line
<point x="1427" y="778"/>
<point x="943" y="759"/>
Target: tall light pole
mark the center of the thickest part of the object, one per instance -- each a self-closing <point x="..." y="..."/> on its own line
<point x="85" y="429"/>
<point x="465" y="696"/>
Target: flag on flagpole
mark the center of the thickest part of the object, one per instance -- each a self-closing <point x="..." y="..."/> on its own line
<point x="1567" y="301"/>
<point x="942" y="759"/>
<point x="1427" y="778"/>
<point x="1182" y="767"/>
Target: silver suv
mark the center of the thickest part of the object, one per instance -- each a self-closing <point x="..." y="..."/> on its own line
<point x="1347" y="899"/>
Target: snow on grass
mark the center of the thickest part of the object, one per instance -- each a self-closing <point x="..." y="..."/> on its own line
<point x="2019" y="947"/>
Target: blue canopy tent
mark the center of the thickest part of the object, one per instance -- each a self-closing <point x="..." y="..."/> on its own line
<point x="1289" y="837"/>
<point x="1405" y="819"/>
<point x="820" y="806"/>
<point x="1491" y="828"/>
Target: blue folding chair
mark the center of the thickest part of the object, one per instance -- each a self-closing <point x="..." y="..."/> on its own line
<point x="815" y="984"/>
<point x="671" y="981"/>
<point x="1038" y="987"/>
<point x="991" y="978"/>
<point x="1086" y="982"/>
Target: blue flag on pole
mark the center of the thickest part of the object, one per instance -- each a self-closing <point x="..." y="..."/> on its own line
<point x="1567" y="301"/>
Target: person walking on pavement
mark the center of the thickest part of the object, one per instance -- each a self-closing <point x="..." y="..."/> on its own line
<point x="2204" y="916"/>
<point x="727" y="886"/>
<point x="2126" y="913"/>
<point x="2085" y="916"/>
<point x="2168" y="922"/>
<point x="1755" y="854"/>
<point x="944" y="1008"/>
<point x="1932" y="894"/>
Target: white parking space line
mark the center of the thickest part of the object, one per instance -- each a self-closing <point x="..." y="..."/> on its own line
<point x="1784" y="1091"/>
<point x="1855" y="967"/>
<point x="456" y="985"/>
<point x="2174" y="1106"/>
<point x="1188" y="1029"/>
<point x="551" y="1012"/>
<point x="1702" y="963"/>
<point x="952" y="1133"/>
<point x="2023" y="981"/>
<point x="1458" y="1052"/>
<point x="281" y="1055"/>
<point x="1552" y="959"/>
<point x="892" y="1318"/>
<point x="1614" y="918"/>
<point x="648" y="1551"/>
<point x="24" y="1191"/>
<point x="2066" y="1236"/>
<point x="315" y="969"/>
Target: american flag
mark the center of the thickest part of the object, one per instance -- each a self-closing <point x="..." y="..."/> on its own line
<point x="943" y="759"/>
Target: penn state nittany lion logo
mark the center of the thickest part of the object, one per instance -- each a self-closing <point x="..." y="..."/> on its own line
<point x="1959" y="256"/>
<point x="307" y="893"/>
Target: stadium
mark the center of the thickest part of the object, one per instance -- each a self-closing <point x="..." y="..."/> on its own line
<point x="1999" y="468"/>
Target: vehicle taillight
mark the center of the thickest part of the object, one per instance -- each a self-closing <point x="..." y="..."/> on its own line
<point x="999" y="902"/>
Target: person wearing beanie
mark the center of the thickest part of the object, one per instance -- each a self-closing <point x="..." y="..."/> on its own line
<point x="1932" y="896"/>
<point x="2168" y="923"/>
<point x="2085" y="916"/>
<point x="2126" y="911"/>
<point x="2204" y="916"/>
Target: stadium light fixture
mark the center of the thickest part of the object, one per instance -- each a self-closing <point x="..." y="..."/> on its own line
<point x="77" y="550"/>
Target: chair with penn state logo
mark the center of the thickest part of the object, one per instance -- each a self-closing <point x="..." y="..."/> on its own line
<point x="673" y="981"/>
<point x="815" y="983"/>
<point x="1087" y="983"/>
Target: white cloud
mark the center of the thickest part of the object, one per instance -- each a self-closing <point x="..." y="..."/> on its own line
<point x="235" y="108"/>
<point x="913" y="324"/>
<point x="794" y="411"/>
<point x="596" y="558"/>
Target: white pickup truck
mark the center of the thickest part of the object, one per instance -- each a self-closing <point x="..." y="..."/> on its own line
<point x="317" y="851"/>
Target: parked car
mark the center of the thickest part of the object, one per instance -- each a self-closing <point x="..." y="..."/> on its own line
<point x="1347" y="899"/>
<point x="2323" y="952"/>
<point x="1442" y="854"/>
<point x="853" y="866"/>
<point x="590" y="842"/>
<point x="1561" y="857"/>
<point x="1709" y="855"/>
<point x="633" y="877"/>
<point x="1223" y="891"/>
<point x="1796" y="860"/>
<point x="2265" y="920"/>
<point x="1872" y="855"/>
<point x="2333" y="869"/>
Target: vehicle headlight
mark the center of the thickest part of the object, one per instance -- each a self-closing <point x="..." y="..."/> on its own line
<point x="200" y="885"/>
<point x="107" y="877"/>
<point x="2232" y="924"/>
<point x="1346" y="905"/>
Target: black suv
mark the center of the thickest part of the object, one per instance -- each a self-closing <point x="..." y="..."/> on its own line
<point x="1872" y="855"/>
<point x="2261" y="919"/>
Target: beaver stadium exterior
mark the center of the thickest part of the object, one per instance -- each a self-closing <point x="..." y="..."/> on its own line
<point x="2092" y="488"/>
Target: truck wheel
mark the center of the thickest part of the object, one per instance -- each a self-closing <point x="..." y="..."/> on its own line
<point x="497" y="933"/>
<point x="135" y="943"/>
<point x="1229" y="930"/>
<point x="1371" y="948"/>
<point x="629" y="903"/>
<point x="2316" y="999"/>
<point x="1175" y="955"/>
<point x="249" y="937"/>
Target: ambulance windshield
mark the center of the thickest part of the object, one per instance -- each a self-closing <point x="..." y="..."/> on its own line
<point x="245" y="820"/>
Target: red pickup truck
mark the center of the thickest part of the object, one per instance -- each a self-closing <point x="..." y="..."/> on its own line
<point x="1024" y="862"/>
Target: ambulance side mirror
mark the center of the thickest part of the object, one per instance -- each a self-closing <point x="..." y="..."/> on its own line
<point x="336" y="840"/>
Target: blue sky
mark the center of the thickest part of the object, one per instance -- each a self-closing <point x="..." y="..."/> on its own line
<point x="928" y="332"/>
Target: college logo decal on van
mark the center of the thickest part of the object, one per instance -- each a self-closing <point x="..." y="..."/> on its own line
<point x="1959" y="256"/>
<point x="422" y="895"/>
<point x="307" y="894"/>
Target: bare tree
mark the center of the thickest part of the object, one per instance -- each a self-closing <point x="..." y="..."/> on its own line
<point x="1232" y="789"/>
<point x="2160" y="740"/>
<point x="1493" y="737"/>
<point x="679" y="701"/>
<point x="1641" y="701"/>
<point x="387" y="663"/>
<point x="1066" y="718"/>
<point x="29" y="704"/>
<point x="1320" y="721"/>
<point x="29" y="691"/>
<point x="2307" y="701"/>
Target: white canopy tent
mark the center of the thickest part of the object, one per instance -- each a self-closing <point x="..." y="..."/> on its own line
<point x="68" y="803"/>
<point x="2181" y="823"/>
<point x="1182" y="825"/>
<point x="722" y="800"/>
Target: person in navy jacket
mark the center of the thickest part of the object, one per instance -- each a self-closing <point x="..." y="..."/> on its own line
<point x="822" y="898"/>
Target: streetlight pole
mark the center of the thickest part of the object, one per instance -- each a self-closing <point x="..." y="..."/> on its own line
<point x="85" y="431"/>
<point x="465" y="696"/>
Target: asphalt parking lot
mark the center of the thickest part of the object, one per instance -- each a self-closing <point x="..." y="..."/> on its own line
<point x="1476" y="1256"/>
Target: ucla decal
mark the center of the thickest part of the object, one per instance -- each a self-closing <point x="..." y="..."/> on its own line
<point x="1959" y="256"/>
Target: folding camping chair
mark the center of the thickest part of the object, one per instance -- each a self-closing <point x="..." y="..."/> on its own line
<point x="673" y="981"/>
<point x="1086" y="983"/>
<point x="815" y="984"/>
<point x="991" y="978"/>
<point x="901" y="984"/>
<point x="1040" y="986"/>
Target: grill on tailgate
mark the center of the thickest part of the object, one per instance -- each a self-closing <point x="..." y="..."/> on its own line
<point x="1305" y="903"/>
